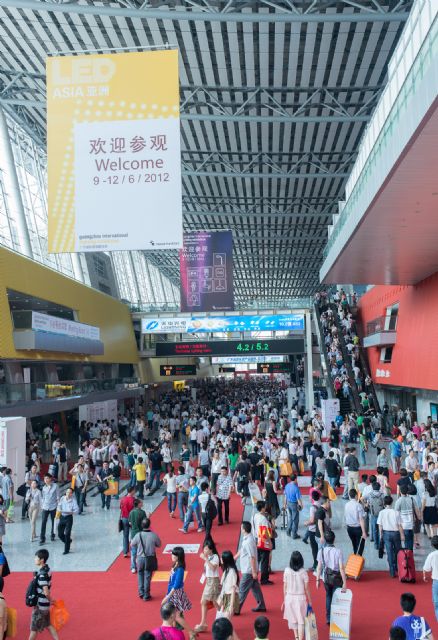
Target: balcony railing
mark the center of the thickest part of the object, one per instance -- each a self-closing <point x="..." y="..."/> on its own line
<point x="382" y="323"/>
<point x="11" y="394"/>
<point x="287" y="303"/>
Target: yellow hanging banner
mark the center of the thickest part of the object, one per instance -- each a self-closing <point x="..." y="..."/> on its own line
<point x="114" y="158"/>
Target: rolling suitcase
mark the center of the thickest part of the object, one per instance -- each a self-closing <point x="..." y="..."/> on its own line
<point x="356" y="562"/>
<point x="284" y="519"/>
<point x="53" y="470"/>
<point x="406" y="565"/>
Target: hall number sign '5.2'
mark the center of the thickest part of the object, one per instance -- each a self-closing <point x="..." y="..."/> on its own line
<point x="246" y="347"/>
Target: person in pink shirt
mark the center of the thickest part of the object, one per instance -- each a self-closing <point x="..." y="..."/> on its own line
<point x="416" y="430"/>
<point x="168" y="630"/>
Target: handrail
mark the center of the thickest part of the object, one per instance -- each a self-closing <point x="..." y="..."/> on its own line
<point x="345" y="357"/>
<point x="11" y="394"/>
<point x="323" y="349"/>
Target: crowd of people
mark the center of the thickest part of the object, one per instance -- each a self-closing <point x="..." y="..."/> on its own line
<point x="240" y="437"/>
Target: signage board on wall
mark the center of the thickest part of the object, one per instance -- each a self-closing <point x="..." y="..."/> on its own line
<point x="274" y="367"/>
<point x="223" y="324"/>
<point x="113" y="136"/>
<point x="230" y="347"/>
<point x="245" y="359"/>
<point x="177" y="370"/>
<point x="206" y="271"/>
<point x="329" y="411"/>
<point x="106" y="410"/>
<point x="53" y="324"/>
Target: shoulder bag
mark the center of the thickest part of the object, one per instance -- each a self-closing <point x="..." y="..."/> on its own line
<point x="151" y="561"/>
<point x="417" y="521"/>
<point x="331" y="577"/>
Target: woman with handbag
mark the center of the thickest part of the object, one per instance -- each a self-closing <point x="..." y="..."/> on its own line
<point x="284" y="465"/>
<point x="296" y="595"/>
<point x="270" y="494"/>
<point x="34" y="502"/>
<point x="211" y="581"/>
<point x="228" y="600"/>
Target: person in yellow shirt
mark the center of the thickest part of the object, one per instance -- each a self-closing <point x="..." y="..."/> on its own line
<point x="140" y="476"/>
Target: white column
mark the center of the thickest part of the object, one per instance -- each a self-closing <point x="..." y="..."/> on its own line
<point x="15" y="202"/>
<point x="77" y="267"/>
<point x="308" y="367"/>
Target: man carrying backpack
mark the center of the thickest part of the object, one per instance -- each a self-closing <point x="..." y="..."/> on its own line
<point x="38" y="597"/>
<point x="208" y="508"/>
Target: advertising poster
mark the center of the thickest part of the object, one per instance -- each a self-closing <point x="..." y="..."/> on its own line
<point x="206" y="271"/>
<point x="3" y="443"/>
<point x="113" y="145"/>
<point x="340" y="615"/>
<point x="329" y="411"/>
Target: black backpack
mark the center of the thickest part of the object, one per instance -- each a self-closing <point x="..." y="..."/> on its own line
<point x="32" y="592"/>
<point x="210" y="509"/>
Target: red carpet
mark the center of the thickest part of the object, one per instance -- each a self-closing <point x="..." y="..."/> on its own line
<point x="105" y="605"/>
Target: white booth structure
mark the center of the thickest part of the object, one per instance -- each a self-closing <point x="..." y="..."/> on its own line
<point x="13" y="447"/>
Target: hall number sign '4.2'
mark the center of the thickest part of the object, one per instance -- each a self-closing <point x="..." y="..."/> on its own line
<point x="246" y="347"/>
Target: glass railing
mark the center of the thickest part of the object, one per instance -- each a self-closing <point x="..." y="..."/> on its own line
<point x="383" y="323"/>
<point x="288" y="303"/>
<point x="18" y="393"/>
<point x="415" y="53"/>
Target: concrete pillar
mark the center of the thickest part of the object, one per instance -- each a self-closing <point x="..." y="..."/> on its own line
<point x="308" y="365"/>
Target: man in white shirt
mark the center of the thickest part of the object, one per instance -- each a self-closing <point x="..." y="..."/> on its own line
<point x="248" y="567"/>
<point x="391" y="531"/>
<point x="431" y="566"/>
<point x="355" y="520"/>
<point x="411" y="462"/>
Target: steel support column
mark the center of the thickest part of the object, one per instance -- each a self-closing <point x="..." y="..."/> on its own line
<point x="308" y="366"/>
<point x="14" y="193"/>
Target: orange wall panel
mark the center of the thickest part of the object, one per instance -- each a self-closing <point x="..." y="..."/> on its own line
<point x="415" y="354"/>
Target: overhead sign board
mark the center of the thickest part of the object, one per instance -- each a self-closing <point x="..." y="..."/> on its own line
<point x="245" y="359"/>
<point x="113" y="137"/>
<point x="53" y="324"/>
<point x="224" y="324"/>
<point x="230" y="347"/>
<point x="227" y="369"/>
<point x="206" y="271"/>
<point x="274" y="367"/>
<point x="177" y="370"/>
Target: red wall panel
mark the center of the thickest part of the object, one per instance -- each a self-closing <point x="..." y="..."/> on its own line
<point x="415" y="355"/>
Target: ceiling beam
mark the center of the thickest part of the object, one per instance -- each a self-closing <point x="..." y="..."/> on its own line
<point x="288" y="216"/>
<point x="209" y="117"/>
<point x="257" y="175"/>
<point x="177" y="15"/>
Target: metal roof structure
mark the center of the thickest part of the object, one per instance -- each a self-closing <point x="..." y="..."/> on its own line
<point x="275" y="96"/>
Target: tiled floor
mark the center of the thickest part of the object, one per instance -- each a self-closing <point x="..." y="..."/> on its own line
<point x="96" y="540"/>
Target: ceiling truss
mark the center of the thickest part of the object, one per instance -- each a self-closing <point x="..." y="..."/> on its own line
<point x="275" y="97"/>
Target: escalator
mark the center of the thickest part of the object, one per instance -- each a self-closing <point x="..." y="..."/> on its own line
<point x="346" y="406"/>
<point x="354" y="400"/>
<point x="324" y="354"/>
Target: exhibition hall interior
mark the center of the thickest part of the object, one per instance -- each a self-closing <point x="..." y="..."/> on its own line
<point x="218" y="319"/>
